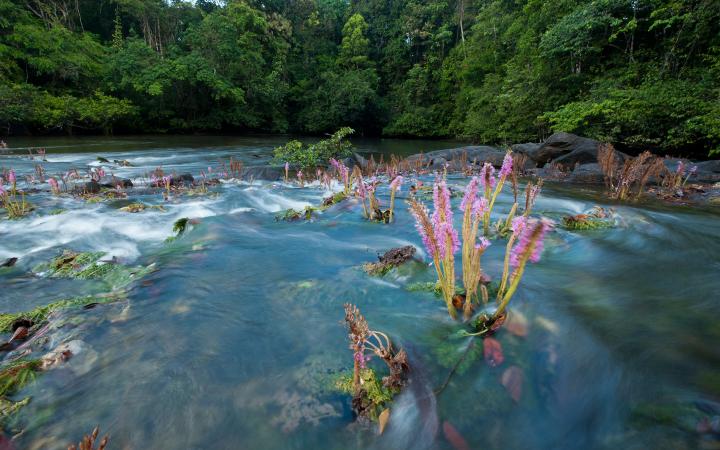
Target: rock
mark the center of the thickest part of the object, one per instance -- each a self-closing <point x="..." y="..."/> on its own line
<point x="587" y="173"/>
<point x="560" y="144"/>
<point x="181" y="180"/>
<point x="91" y="187"/>
<point x="270" y="173"/>
<point x="707" y="172"/>
<point x="122" y="182"/>
<point x="8" y="262"/>
<point x="475" y="153"/>
<point x="391" y="259"/>
<point x="529" y="149"/>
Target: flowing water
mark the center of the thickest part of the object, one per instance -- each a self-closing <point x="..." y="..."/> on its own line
<point x="236" y="338"/>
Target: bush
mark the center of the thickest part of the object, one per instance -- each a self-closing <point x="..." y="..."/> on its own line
<point x="307" y="157"/>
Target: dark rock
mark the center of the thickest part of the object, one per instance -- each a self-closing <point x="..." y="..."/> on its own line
<point x="391" y="259"/>
<point x="560" y="144"/>
<point x="477" y="154"/>
<point x="91" y="187"/>
<point x="8" y="262"/>
<point x="103" y="160"/>
<point x="529" y="148"/>
<point x="587" y="173"/>
<point x="118" y="181"/>
<point x="577" y="156"/>
<point x="181" y="180"/>
<point x="270" y="173"/>
<point x="707" y="172"/>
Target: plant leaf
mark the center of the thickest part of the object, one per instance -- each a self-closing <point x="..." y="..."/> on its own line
<point x="383" y="420"/>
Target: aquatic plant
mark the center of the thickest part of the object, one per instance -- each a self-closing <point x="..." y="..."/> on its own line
<point x="17" y="374"/>
<point x="88" y="442"/>
<point x="395" y="186"/>
<point x="473" y="208"/>
<point x="633" y="175"/>
<point x="595" y="219"/>
<point x="343" y="174"/>
<point x="525" y="245"/>
<point x="15" y="207"/>
<point x="40" y="314"/>
<point x="440" y="239"/>
<point x="54" y="186"/>
<point x="492" y="187"/>
<point x="291" y="215"/>
<point x="532" y="191"/>
<point x="166" y="182"/>
<point x="364" y="343"/>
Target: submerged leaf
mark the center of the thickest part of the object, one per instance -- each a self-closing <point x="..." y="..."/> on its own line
<point x="383" y="420"/>
<point x="492" y="350"/>
<point x="512" y="379"/>
<point x="453" y="436"/>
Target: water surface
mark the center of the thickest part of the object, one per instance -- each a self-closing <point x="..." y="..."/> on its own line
<point x="235" y="340"/>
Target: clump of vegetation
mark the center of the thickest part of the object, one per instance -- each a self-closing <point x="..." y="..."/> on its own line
<point x="140" y="207"/>
<point x="179" y="228"/>
<point x="370" y="398"/>
<point x="441" y="241"/>
<point x="40" y="314"/>
<point x="16" y="208"/>
<point x="333" y="200"/>
<point x="595" y="219"/>
<point x="88" y="266"/>
<point x="629" y="180"/>
<point x="17" y="374"/>
<point x="292" y="215"/>
<point x="88" y="442"/>
<point x="314" y="155"/>
<point x="389" y="260"/>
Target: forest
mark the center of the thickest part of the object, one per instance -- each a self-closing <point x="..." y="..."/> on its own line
<point x="641" y="74"/>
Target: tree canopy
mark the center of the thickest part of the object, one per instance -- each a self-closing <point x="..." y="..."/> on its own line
<point x="643" y="74"/>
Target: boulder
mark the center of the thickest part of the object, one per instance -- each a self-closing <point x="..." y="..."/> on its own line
<point x="184" y="179"/>
<point x="529" y="149"/>
<point x="577" y="157"/>
<point x="475" y="153"/>
<point x="125" y="183"/>
<point x="707" y="172"/>
<point x="587" y="174"/>
<point x="560" y="144"/>
<point x="270" y="173"/>
<point x="91" y="187"/>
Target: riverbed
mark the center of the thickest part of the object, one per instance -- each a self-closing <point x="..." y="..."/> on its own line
<point x="235" y="337"/>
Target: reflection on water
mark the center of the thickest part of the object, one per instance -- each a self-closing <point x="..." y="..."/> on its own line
<point x="234" y="342"/>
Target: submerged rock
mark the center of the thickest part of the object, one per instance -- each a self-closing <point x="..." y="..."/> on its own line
<point x="391" y="259"/>
<point x="182" y="180"/>
<point x="10" y="262"/>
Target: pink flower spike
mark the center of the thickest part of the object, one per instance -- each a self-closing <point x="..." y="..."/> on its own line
<point x="487" y="176"/>
<point x="507" y="165"/>
<point x="396" y="184"/>
<point x="11" y="177"/>
<point x="484" y="243"/>
<point x="471" y="191"/>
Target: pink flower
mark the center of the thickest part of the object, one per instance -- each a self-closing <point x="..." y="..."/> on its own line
<point x="693" y="170"/>
<point x="479" y="207"/>
<point x="396" y="184"/>
<point x="299" y="175"/>
<point x="507" y="165"/>
<point x="427" y="241"/>
<point x="484" y="243"/>
<point x="287" y="166"/>
<point x="2" y="191"/>
<point x="531" y="239"/>
<point x="442" y="220"/>
<point x="11" y="177"/>
<point x="487" y="176"/>
<point x="53" y="183"/>
<point x="101" y="172"/>
<point x="471" y="191"/>
<point x="680" y="168"/>
<point x="361" y="189"/>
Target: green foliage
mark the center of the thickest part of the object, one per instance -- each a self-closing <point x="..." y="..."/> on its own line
<point x="41" y="313"/>
<point x="639" y="74"/>
<point x="375" y="394"/>
<point x="17" y="374"/>
<point x="314" y="155"/>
